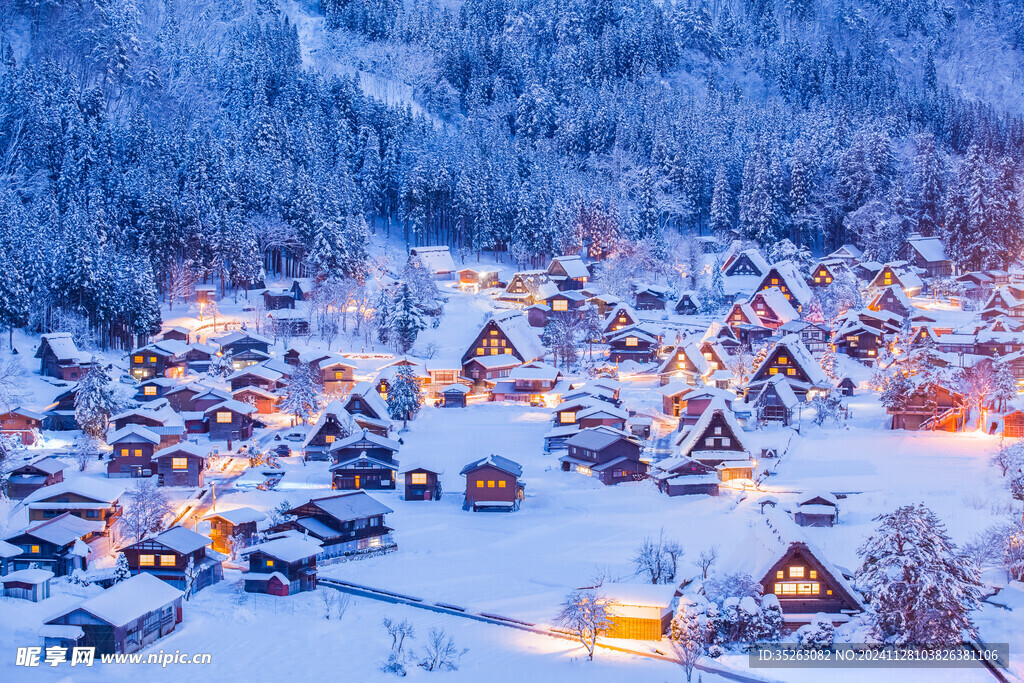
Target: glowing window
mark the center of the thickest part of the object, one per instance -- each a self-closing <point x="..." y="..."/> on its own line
<point x="138" y="453"/>
<point x="567" y="417"/>
<point x="814" y="573"/>
<point x="149" y="390"/>
<point x="632" y="341"/>
<point x="494" y="352"/>
<point x="775" y="280"/>
<point x="167" y="560"/>
<point x="773" y="371"/>
<point x="783" y="360"/>
<point x="560" y="305"/>
<point x="501" y="484"/>
<point x="796" y="572"/>
<point x="224" y="417"/>
<point x="124" y="452"/>
<point x="780" y="574"/>
<point x="147" y="560"/>
<point x="269" y="563"/>
<point x="490" y="483"/>
<point x="479" y="351"/>
<point x="817" y="279"/>
<point x="480" y="483"/>
<point x="179" y="463"/>
<point x="807" y="589"/>
<point x="34" y="550"/>
<point x="494" y="333"/>
<point x="329" y="438"/>
<point x="152" y="359"/>
<point x="137" y="359"/>
<point x="418" y="478"/>
<point x="790" y="371"/>
<point x="508" y="351"/>
<point x="339" y="374"/>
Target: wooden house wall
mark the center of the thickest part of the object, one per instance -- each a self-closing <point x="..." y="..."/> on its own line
<point x="487" y="474"/>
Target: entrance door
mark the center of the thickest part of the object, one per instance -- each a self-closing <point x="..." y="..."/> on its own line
<point x="426" y="494"/>
<point x="357" y="481"/>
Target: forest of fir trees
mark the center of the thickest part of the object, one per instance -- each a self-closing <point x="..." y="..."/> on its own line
<point x="146" y="145"/>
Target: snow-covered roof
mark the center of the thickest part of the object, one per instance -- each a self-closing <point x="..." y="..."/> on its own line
<point x="366" y="435"/>
<point x="181" y="540"/>
<point x="238" y="335"/>
<point x="369" y="395"/>
<point x="285" y="548"/>
<point x="126" y="601"/>
<point x="364" y="460"/>
<point x="455" y="388"/>
<point x="930" y="249"/>
<point x="496" y="461"/>
<point x="133" y="433"/>
<point x="572" y="265"/>
<point x="9" y="549"/>
<point x="234" y="406"/>
<point x="783" y="389"/>
<point x="535" y="370"/>
<point x="594" y="439"/>
<point x="799" y="353"/>
<point x="25" y="412"/>
<point x="159" y="410"/>
<point x="62" y="530"/>
<point x="33" y="576"/>
<point x="258" y="370"/>
<point x="632" y="331"/>
<point x="808" y="496"/>
<point x="897" y="292"/>
<point x="86" y="487"/>
<point x="352" y="505"/>
<point x="791" y="277"/>
<point x="48" y="464"/>
<point x="688" y="440"/>
<point x="774" y="299"/>
<point x="242" y="515"/>
<point x="847" y="251"/>
<point x="256" y="391"/>
<point x="638" y="594"/>
<point x="692" y="354"/>
<point x="520" y="335"/>
<point x="435" y="259"/>
<point x="62" y="345"/>
<point x="501" y="360"/>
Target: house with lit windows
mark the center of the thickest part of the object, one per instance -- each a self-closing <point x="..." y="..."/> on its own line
<point x="608" y="455"/>
<point x="364" y="461"/>
<point x="795" y="572"/>
<point x="583" y="412"/>
<point x="156" y="416"/>
<point x="183" y="464"/>
<point x="57" y="544"/>
<point x="897" y="273"/>
<point x="169" y="554"/>
<point x="529" y="288"/>
<point x="153" y="389"/>
<point x="506" y="334"/>
<point x="259" y="376"/>
<point x="229" y="420"/>
<point x="928" y="254"/>
<point x="132" y="454"/>
<point x="335" y="423"/>
<point x="814" y="336"/>
<point x="787" y="278"/>
<point x="244" y="348"/>
<point x="367" y="407"/>
<point x="827" y="271"/>
<point x="283" y="565"/>
<point x="894" y="300"/>
<point x="349" y="523"/>
<point x="791" y="359"/>
<point x="1005" y="301"/>
<point x="493" y="483"/>
<point x="748" y="262"/>
<point x="529" y="382"/>
<point x="568" y="272"/>
<point x="772" y="308"/>
<point x="860" y="338"/>
<point x="164" y="358"/>
<point x="632" y="344"/>
<point x="715" y="440"/>
<point x="621" y="317"/>
<point x="266" y="402"/>
<point x="422" y="484"/>
<point x="93" y="500"/>
<point x="742" y="313"/>
<point x="685" y="361"/>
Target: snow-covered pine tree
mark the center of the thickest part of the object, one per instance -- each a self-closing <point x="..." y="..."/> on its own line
<point x="408" y="321"/>
<point x="721" y="205"/>
<point x="302" y="395"/>
<point x="94" y="402"/>
<point x="403" y="396"/>
<point x="928" y="173"/>
<point x="121" y="570"/>
<point x="688" y="636"/>
<point x="920" y="587"/>
<point x="383" y="316"/>
<point x="1005" y="389"/>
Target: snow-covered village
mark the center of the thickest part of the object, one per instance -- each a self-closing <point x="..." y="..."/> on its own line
<point x="479" y="340"/>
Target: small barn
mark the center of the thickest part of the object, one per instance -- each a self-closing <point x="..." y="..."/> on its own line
<point x="818" y="508"/>
<point x="454" y="396"/>
<point x="776" y="401"/>
<point x="281" y="566"/>
<point x="183" y="464"/>
<point x="437" y="261"/>
<point x="847" y="386"/>
<point x="639" y="611"/>
<point x="422" y="484"/>
<point x="27" y="584"/>
<point x="30" y="477"/>
<point x="232" y="524"/>
<point x="688" y="304"/>
<point x="493" y="483"/>
<point x="22" y="423"/>
<point x="125" y="618"/>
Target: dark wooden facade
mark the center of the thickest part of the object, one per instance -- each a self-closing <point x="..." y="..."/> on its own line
<point x="422" y="484"/>
<point x="804" y="585"/>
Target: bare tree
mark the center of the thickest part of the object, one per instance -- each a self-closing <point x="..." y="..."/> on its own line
<point x="342" y="604"/>
<point x="86" y="450"/>
<point x="706" y="560"/>
<point x="190" y="575"/>
<point x="585" y="614"/>
<point x="180" y="280"/>
<point x="258" y="315"/>
<point x="658" y="559"/>
<point x="440" y="652"/>
<point x="12" y="384"/>
<point x="399" y="631"/>
<point x="329" y="599"/>
<point x="146" y="508"/>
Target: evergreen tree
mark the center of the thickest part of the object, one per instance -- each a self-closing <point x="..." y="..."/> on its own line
<point x="721" y="205"/>
<point x="920" y="587"/>
<point x="94" y="402"/>
<point x="408" y="320"/>
<point x="383" y="317"/>
<point x="121" y="570"/>
<point x="403" y="396"/>
<point x="302" y="395"/>
<point x="928" y="180"/>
